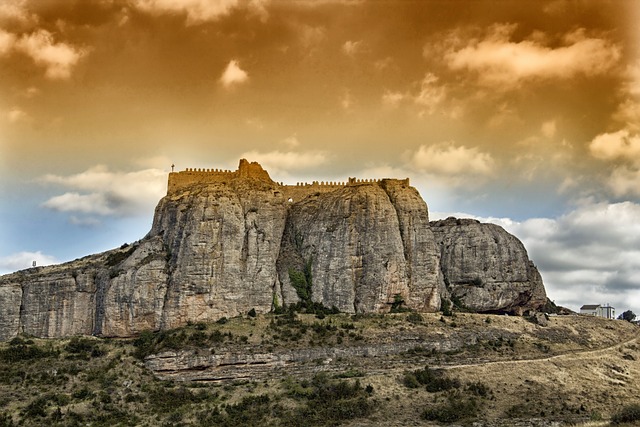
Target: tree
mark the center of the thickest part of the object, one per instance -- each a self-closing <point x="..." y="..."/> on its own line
<point x="628" y="315"/>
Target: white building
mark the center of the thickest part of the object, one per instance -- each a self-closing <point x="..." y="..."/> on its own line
<point x="605" y="311"/>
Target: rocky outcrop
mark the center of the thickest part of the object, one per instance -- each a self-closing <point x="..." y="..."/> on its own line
<point x="223" y="243"/>
<point x="487" y="269"/>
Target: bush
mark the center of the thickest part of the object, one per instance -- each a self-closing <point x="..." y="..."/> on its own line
<point x="445" y="307"/>
<point x="456" y="408"/>
<point x="414" y="317"/>
<point x="628" y="414"/>
<point x="397" y="306"/>
<point x="84" y="348"/>
<point x="433" y="381"/>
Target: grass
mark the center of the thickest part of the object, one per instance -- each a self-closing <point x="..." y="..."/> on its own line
<point x="100" y="382"/>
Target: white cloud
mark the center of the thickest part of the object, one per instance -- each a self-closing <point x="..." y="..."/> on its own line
<point x="16" y="11"/>
<point x="449" y="159"/>
<point x="86" y="221"/>
<point x="22" y="260"/>
<point x="633" y="79"/>
<point x="501" y="62"/>
<point x="616" y="145"/>
<point x="283" y="162"/>
<point x="628" y="114"/>
<point x="93" y="203"/>
<point x="310" y="36"/>
<point x="549" y="128"/>
<point x="392" y="99"/>
<point x="622" y="145"/>
<point x="99" y="191"/>
<point x="197" y="11"/>
<point x="17" y="115"/>
<point x="291" y="141"/>
<point x="431" y="94"/>
<point x="7" y="42"/>
<point x="624" y="181"/>
<point x="346" y="101"/>
<point x="428" y="96"/>
<point x="58" y="58"/>
<point x="233" y="75"/>
<point x="351" y="48"/>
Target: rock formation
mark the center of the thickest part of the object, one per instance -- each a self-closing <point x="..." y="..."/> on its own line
<point x="223" y="243"/>
<point x="487" y="269"/>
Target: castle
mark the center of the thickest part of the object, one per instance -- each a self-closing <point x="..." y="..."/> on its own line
<point x="179" y="181"/>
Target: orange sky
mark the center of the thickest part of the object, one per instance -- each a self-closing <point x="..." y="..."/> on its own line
<point x="522" y="110"/>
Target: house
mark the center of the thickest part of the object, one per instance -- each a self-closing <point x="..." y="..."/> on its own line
<point x="598" y="310"/>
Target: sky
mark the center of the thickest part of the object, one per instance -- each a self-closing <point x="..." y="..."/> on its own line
<point x="522" y="113"/>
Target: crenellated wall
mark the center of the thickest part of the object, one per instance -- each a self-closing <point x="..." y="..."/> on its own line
<point x="179" y="181"/>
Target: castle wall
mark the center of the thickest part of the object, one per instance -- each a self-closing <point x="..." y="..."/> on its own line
<point x="178" y="181"/>
<point x="181" y="180"/>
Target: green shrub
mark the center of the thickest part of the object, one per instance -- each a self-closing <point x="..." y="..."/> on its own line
<point x="21" y="350"/>
<point x="433" y="381"/>
<point x="456" y="408"/>
<point x="445" y="307"/>
<point x="414" y="317"/>
<point x="627" y="414"/>
<point x="398" y="304"/>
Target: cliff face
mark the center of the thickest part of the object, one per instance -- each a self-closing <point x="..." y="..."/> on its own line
<point x="225" y="242"/>
<point x="487" y="269"/>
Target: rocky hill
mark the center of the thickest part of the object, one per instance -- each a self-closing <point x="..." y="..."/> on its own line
<point x="227" y="242"/>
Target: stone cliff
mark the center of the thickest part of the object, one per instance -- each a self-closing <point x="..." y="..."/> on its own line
<point x="223" y="243"/>
<point x="486" y="268"/>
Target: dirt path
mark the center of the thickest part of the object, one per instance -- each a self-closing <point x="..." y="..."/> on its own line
<point x="543" y="359"/>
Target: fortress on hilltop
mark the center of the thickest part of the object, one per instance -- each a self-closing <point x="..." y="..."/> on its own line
<point x="179" y="181"/>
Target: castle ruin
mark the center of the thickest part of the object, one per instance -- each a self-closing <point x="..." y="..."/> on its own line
<point x="179" y="181"/>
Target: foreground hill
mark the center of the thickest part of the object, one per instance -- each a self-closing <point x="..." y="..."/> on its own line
<point x="223" y="243"/>
<point x="300" y="369"/>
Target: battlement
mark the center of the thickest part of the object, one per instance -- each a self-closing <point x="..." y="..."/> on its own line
<point x="179" y="181"/>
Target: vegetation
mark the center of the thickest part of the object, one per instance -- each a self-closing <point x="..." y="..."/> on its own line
<point x="456" y="407"/>
<point x="433" y="380"/>
<point x="628" y="315"/>
<point x="628" y="414"/>
<point x="343" y="378"/>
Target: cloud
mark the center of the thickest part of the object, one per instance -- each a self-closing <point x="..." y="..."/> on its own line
<point x="283" y="162"/>
<point x="197" y="11"/>
<point x="291" y="141"/>
<point x="429" y="96"/>
<point x="7" y="42"/>
<point x="200" y="11"/>
<point x="16" y="11"/>
<point x="351" y="48"/>
<point x="622" y="145"/>
<point x="548" y="129"/>
<point x="233" y="75"/>
<point x="632" y="85"/>
<point x="22" y="260"/>
<point x="99" y="191"/>
<point x="16" y="115"/>
<point x="58" y="58"/>
<point x="392" y="99"/>
<point x="94" y="203"/>
<point x="498" y="61"/>
<point x="448" y="159"/>
<point x="591" y="255"/>
<point x="624" y="181"/>
<point x="87" y="221"/>
<point x="616" y="145"/>
<point x="628" y="114"/>
<point x="346" y="100"/>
